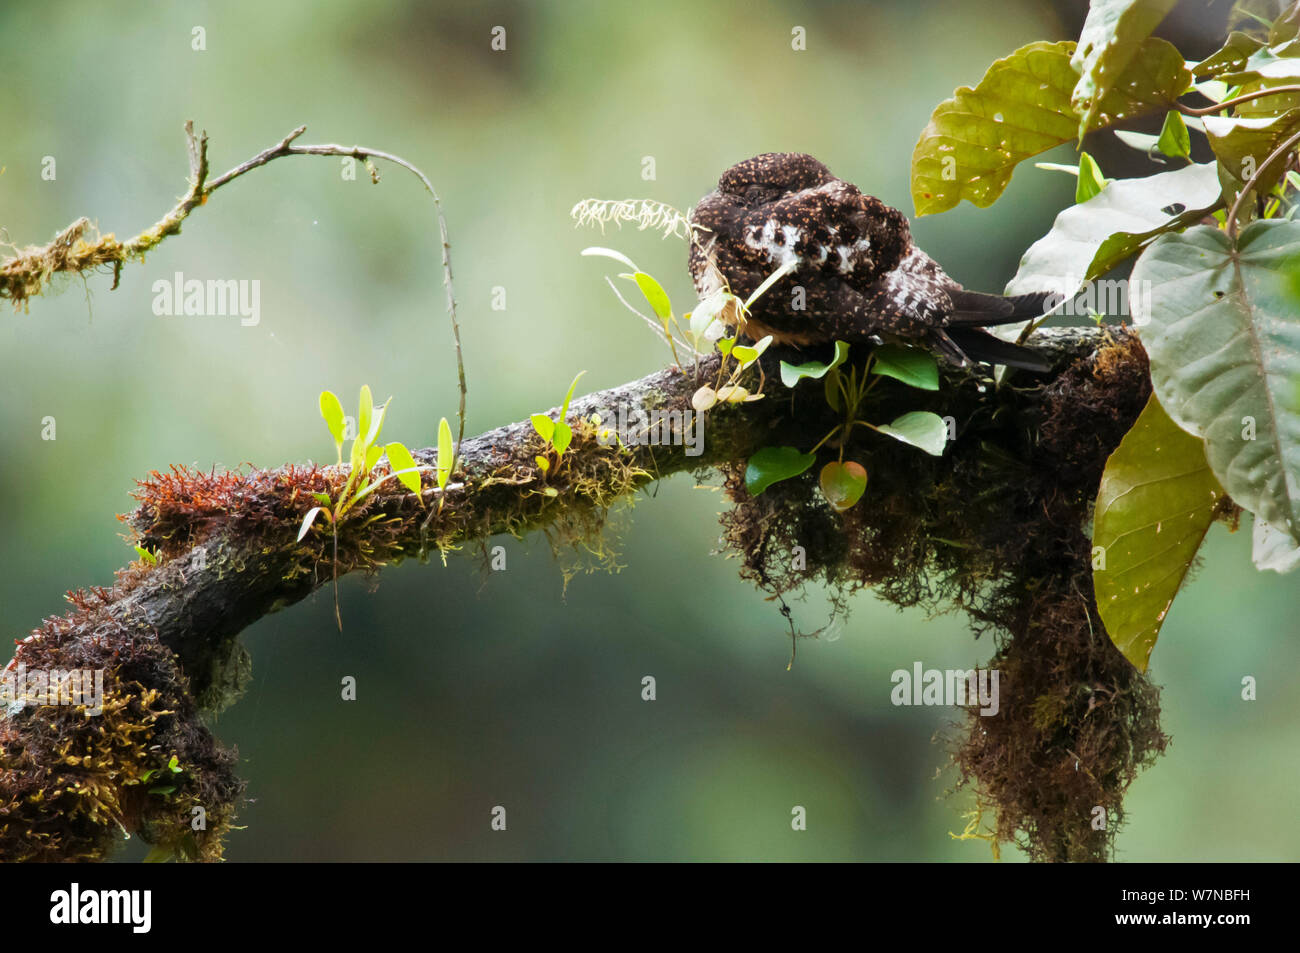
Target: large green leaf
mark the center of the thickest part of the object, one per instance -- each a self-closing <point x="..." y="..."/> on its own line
<point x="1155" y="504"/>
<point x="1090" y="239"/>
<point x="1112" y="42"/>
<point x="1223" y="334"/>
<point x="1020" y="108"/>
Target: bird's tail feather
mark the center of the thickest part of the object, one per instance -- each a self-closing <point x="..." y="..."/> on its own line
<point x="977" y="308"/>
<point x="973" y="344"/>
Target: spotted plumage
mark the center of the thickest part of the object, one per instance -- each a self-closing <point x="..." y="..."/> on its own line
<point x="855" y="274"/>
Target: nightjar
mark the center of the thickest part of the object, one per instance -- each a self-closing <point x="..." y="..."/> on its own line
<point x="854" y="273"/>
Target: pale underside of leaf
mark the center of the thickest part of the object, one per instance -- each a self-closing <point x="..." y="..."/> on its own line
<point x="1224" y="342"/>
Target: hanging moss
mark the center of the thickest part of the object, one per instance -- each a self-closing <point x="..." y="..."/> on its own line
<point x="997" y="527"/>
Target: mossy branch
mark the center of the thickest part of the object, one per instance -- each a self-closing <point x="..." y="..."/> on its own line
<point x="28" y="272"/>
<point x="226" y="554"/>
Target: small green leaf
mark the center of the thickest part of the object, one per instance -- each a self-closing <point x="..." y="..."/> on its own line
<point x="748" y="355"/>
<point x="146" y="555"/>
<point x="655" y="294"/>
<point x="843" y="484"/>
<point x="377" y="423"/>
<point x="174" y="765"/>
<point x="332" y="412"/>
<point x="551" y="491"/>
<point x="163" y="790"/>
<point x="446" y="453"/>
<point x="542" y="463"/>
<point x="322" y="498"/>
<point x="1141" y="141"/>
<point x="563" y="437"/>
<point x="404" y="466"/>
<point x="831" y="384"/>
<point x="372" y="457"/>
<point x="791" y="374"/>
<point x="564" y="409"/>
<point x="307" y="521"/>
<point x="912" y="366"/>
<point x="773" y="464"/>
<point x="610" y="253"/>
<point x="920" y="428"/>
<point x="1175" y="141"/>
<point x="1091" y="181"/>
<point x="1058" y="167"/>
<point x="544" y="426"/>
<point x="365" y="411"/>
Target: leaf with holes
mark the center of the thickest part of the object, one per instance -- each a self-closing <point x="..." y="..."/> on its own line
<point x="1020" y="108"/>
<point x="1223" y="335"/>
<point x="1113" y="44"/>
<point x="1154" y="506"/>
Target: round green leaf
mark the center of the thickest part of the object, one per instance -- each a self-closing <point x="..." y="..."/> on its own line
<point x="843" y="484"/>
<point x="773" y="464"/>
<point x="544" y="426"/>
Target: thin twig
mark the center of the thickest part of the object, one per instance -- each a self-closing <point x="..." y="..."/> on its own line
<point x="27" y="272"/>
<point x="1236" y="100"/>
<point x="1285" y="147"/>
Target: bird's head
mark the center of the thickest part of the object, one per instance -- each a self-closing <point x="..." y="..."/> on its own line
<point x="771" y="176"/>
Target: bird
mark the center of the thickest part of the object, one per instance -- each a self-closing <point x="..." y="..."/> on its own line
<point x="850" y="269"/>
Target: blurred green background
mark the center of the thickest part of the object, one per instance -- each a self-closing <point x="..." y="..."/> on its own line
<point x="481" y="689"/>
